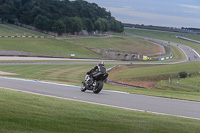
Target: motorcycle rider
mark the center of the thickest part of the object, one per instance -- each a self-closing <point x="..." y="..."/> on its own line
<point x="97" y="70"/>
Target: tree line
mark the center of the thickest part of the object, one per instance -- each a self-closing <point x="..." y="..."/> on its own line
<point x="60" y="16"/>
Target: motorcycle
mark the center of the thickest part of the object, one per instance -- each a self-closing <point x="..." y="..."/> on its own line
<point x="95" y="84"/>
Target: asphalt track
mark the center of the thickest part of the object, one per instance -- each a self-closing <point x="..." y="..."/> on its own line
<point x="158" y="105"/>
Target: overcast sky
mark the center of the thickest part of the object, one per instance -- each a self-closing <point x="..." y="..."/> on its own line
<point x="173" y="13"/>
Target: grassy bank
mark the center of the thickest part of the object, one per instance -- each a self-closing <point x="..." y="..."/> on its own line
<point x="6" y="31"/>
<point x="20" y="112"/>
<point x="156" y="72"/>
<point x="26" y="31"/>
<point x="64" y="48"/>
<point x="119" y="43"/>
<point x="168" y="36"/>
<point x="46" y="47"/>
<point x="158" y="77"/>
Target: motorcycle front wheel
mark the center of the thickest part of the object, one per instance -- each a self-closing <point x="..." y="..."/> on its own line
<point x="83" y="87"/>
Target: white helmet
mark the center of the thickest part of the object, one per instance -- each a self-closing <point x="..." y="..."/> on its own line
<point x="101" y="63"/>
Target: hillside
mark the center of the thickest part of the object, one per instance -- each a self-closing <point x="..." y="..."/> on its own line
<point x="31" y="46"/>
<point x="77" y="45"/>
<point x="168" y="36"/>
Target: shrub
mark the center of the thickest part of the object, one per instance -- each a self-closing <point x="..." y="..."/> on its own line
<point x="182" y="74"/>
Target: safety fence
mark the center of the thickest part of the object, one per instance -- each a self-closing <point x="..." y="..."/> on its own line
<point x="165" y="58"/>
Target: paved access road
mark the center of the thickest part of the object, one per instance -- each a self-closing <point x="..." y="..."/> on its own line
<point x="189" y="109"/>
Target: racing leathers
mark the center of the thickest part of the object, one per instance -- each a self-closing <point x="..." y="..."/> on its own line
<point x="97" y="70"/>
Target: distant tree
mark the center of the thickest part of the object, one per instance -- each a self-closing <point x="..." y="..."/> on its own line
<point x="69" y="22"/>
<point x="87" y="24"/>
<point x="7" y="10"/>
<point x="119" y="26"/>
<point x="47" y="24"/>
<point x="102" y="24"/>
<point x="112" y="24"/>
<point x="36" y="11"/>
<point x="98" y="25"/>
<point x="77" y="26"/>
<point x="59" y="27"/>
<point x="39" y="22"/>
<point x="105" y="24"/>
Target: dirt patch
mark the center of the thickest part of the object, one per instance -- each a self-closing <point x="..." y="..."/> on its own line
<point x="7" y="73"/>
<point x="145" y="84"/>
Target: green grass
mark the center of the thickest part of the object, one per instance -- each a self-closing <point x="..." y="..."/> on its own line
<point x="178" y="86"/>
<point x="46" y="47"/>
<point x="68" y="74"/>
<point x="158" y="72"/>
<point x="178" y="54"/>
<point x="168" y="36"/>
<point x="119" y="43"/>
<point x="118" y="34"/>
<point x="187" y="88"/>
<point x="4" y="31"/>
<point x="26" y="31"/>
<point x="167" y="93"/>
<point x="52" y="61"/>
<point x="194" y="81"/>
<point x="189" y="84"/>
<point x="20" y="112"/>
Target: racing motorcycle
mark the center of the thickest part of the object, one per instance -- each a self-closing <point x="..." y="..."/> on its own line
<point x="94" y="83"/>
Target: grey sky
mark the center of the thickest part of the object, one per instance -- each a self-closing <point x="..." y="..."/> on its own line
<point x="174" y="13"/>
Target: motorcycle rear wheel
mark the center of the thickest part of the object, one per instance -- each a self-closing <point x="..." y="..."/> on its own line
<point x="98" y="88"/>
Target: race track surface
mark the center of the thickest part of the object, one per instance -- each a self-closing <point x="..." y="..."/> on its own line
<point x="181" y="108"/>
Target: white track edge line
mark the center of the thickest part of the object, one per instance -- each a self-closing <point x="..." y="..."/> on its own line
<point x="44" y="82"/>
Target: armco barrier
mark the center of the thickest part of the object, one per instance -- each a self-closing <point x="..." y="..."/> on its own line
<point x="165" y="58"/>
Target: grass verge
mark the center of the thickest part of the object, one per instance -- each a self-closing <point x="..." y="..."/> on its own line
<point x="20" y="112"/>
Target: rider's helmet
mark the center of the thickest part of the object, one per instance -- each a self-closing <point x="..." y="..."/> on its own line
<point x="101" y="63"/>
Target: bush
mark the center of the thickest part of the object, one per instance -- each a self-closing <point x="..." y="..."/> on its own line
<point x="182" y="74"/>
